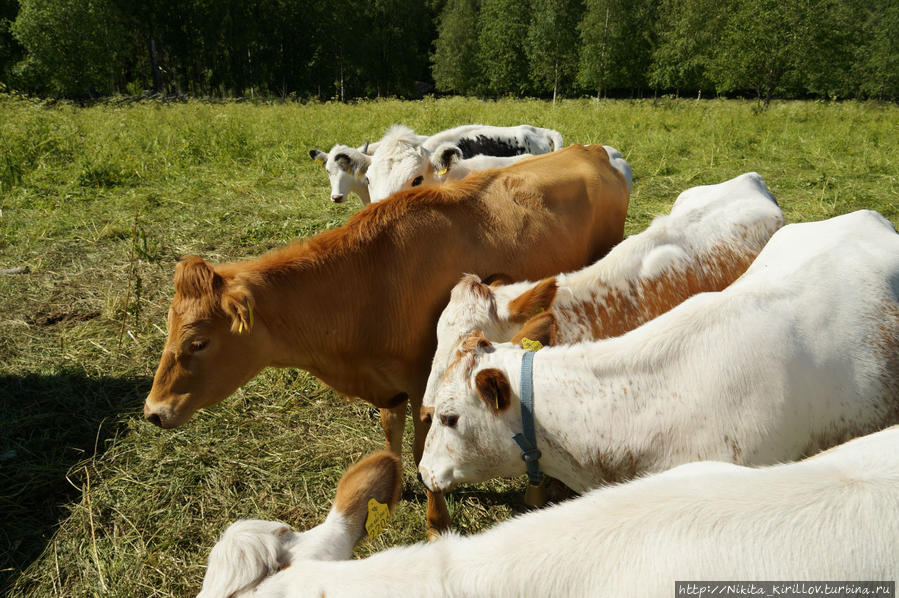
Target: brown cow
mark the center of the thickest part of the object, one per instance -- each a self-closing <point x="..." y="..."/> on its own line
<point x="357" y="305"/>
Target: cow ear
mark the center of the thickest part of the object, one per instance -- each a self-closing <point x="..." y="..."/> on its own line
<point x="194" y="278"/>
<point x="541" y="327"/>
<point x="238" y="304"/>
<point x="534" y="301"/>
<point x="317" y="154"/>
<point x="443" y="158"/>
<point x="494" y="389"/>
<point x="353" y="164"/>
<point x="476" y="342"/>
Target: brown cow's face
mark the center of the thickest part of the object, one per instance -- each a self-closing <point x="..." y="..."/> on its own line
<point x="210" y="351"/>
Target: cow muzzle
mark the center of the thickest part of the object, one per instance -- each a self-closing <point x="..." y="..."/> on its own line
<point x="338" y="198"/>
<point x="162" y="416"/>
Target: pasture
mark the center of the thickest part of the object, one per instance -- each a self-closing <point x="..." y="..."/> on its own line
<point x="100" y="202"/>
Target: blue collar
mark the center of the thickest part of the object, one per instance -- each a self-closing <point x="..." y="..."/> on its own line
<point x="527" y="441"/>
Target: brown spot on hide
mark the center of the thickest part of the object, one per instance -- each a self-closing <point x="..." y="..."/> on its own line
<point x="611" y="312"/>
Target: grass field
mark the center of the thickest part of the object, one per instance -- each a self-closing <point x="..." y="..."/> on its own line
<point x="99" y="203"/>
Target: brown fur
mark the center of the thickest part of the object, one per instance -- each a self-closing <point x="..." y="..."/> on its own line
<point x="610" y="313"/>
<point x="357" y="306"/>
<point x="378" y="476"/>
<point x="494" y="389"/>
<point x="541" y="328"/>
<point x="533" y="301"/>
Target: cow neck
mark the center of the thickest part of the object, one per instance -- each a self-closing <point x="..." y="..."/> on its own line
<point x="313" y="319"/>
<point x="588" y="421"/>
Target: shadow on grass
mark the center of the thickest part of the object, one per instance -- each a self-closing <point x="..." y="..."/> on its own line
<point x="48" y="424"/>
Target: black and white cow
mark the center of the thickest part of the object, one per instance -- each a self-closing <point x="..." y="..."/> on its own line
<point x="401" y="158"/>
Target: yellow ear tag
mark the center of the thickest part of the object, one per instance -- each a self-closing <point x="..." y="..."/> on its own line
<point x="532" y="346"/>
<point x="378" y="518"/>
<point x="442" y="172"/>
<point x="240" y="327"/>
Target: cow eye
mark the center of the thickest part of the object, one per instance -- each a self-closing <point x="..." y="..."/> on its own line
<point x="449" y="419"/>
<point x="417" y="181"/>
<point x="198" y="344"/>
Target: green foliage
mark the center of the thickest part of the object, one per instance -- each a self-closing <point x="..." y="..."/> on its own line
<point x="552" y="43"/>
<point x="502" y="29"/>
<point x="688" y="42"/>
<point x="617" y="37"/>
<point x="877" y="57"/>
<point x="455" y="64"/>
<point x="96" y="501"/>
<point x="75" y="48"/>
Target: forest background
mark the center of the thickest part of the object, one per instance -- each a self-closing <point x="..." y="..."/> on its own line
<point x="80" y="49"/>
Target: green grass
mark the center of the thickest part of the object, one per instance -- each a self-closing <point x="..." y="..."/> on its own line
<point x="100" y="203"/>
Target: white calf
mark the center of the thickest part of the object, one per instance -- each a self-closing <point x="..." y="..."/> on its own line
<point x="797" y="355"/>
<point x="250" y="550"/>
<point x="401" y="158"/>
<point x="828" y="517"/>
<point x="346" y="168"/>
<point x="708" y="240"/>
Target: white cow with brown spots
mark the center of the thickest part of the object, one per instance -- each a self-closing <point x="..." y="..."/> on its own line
<point x="708" y="240"/>
<point x="828" y="517"/>
<point x="799" y="354"/>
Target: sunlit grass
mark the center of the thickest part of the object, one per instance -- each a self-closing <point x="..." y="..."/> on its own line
<point x="100" y="202"/>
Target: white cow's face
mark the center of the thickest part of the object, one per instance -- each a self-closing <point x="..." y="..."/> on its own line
<point x="472" y="305"/>
<point x="346" y="167"/>
<point x="396" y="168"/>
<point x="473" y="420"/>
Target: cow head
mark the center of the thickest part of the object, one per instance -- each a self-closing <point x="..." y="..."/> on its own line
<point x="473" y="305"/>
<point x="214" y="344"/>
<point x="398" y="163"/>
<point x="474" y="417"/>
<point x="346" y="168"/>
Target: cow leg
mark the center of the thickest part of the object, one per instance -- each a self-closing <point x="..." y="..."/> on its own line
<point x="393" y="420"/>
<point x="438" y="514"/>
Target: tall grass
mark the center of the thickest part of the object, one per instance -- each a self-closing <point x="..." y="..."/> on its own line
<point x="100" y="202"/>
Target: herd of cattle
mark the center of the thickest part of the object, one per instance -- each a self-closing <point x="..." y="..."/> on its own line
<point x="704" y="363"/>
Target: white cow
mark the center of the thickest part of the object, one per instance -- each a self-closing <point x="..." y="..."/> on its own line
<point x="797" y="355"/>
<point x="401" y="158"/>
<point x="829" y="517"/>
<point x="346" y="167"/>
<point x="708" y="240"/>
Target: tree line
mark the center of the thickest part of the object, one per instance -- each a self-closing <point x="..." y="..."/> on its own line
<point x="403" y="48"/>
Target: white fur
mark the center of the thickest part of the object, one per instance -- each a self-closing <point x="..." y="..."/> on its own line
<point x="343" y="181"/>
<point x="620" y="164"/>
<point x="795" y="356"/>
<point x="437" y="172"/>
<point x="402" y="157"/>
<point x="829" y="517"/>
<point x="739" y="215"/>
<point x="251" y="550"/>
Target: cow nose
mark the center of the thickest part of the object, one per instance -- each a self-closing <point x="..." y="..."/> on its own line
<point x="337" y="198"/>
<point x="154" y="419"/>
